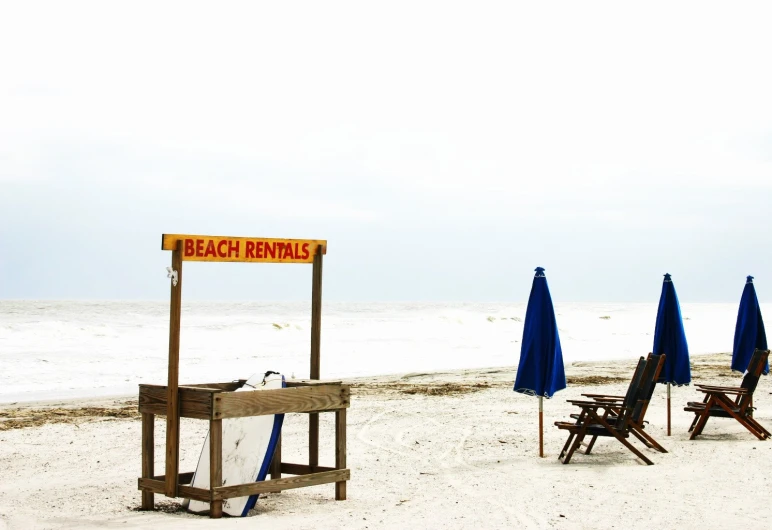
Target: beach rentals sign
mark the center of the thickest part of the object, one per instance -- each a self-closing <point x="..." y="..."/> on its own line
<point x="241" y="249"/>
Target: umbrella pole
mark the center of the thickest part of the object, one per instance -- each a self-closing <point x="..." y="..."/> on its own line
<point x="541" y="427"/>
<point x="668" y="409"/>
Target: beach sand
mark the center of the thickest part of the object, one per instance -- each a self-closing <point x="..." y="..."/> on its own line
<point x="437" y="450"/>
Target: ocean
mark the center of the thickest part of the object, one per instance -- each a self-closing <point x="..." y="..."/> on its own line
<point x="66" y="349"/>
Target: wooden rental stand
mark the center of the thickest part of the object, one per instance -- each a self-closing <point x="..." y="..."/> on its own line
<point x="218" y="401"/>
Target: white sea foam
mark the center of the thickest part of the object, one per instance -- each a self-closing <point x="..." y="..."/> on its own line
<point x="51" y="350"/>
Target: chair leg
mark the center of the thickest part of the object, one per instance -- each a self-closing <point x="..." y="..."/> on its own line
<point x="577" y="441"/>
<point x="694" y="422"/>
<point x="574" y="447"/>
<point x="635" y="451"/>
<point x="650" y="442"/>
<point x="590" y="445"/>
<point x="703" y="417"/>
<point x="595" y="438"/>
<point x="697" y="414"/>
<point x="572" y="434"/>
<point x="743" y="420"/>
<point x="643" y="440"/>
<point x="615" y="434"/>
<point x="611" y="410"/>
<point x="590" y="417"/>
<point x="566" y="445"/>
<point x="631" y="447"/>
<point x="758" y="426"/>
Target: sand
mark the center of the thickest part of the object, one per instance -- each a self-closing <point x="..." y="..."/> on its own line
<point x="440" y="450"/>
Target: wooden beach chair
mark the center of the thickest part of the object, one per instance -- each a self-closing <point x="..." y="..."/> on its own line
<point x="637" y="423"/>
<point x="610" y="398"/>
<point x="731" y="402"/>
<point x="593" y="419"/>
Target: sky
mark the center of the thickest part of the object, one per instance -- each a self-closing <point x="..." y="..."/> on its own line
<point x="444" y="150"/>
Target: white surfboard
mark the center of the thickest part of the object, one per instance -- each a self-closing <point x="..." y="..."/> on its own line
<point x="247" y="448"/>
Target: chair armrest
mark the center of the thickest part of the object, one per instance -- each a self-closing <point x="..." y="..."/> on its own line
<point x="716" y="387"/>
<point x="723" y="390"/>
<point x="603" y="396"/>
<point x="583" y="403"/>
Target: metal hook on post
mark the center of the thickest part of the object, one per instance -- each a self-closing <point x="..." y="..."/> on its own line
<point x="173" y="275"/>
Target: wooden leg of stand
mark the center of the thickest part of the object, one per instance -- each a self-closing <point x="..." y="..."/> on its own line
<point x="148" y="457"/>
<point x="276" y="462"/>
<point x="313" y="441"/>
<point x="215" y="466"/>
<point x="340" y="452"/>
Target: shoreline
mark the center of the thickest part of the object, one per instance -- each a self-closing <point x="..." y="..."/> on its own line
<point x="441" y="382"/>
<point x="506" y="372"/>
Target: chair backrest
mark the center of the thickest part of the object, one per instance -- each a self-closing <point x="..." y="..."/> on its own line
<point x="755" y="367"/>
<point x="631" y="397"/>
<point x="654" y="364"/>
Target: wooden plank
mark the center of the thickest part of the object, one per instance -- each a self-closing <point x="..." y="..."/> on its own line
<point x="182" y="478"/>
<point x="197" y="494"/>
<point x="172" y="396"/>
<point x="193" y="402"/>
<point x="215" y="466"/>
<point x="149" y="484"/>
<point x="148" y="457"/>
<point x="340" y="452"/>
<point x="244" y="249"/>
<point x="280" y="401"/>
<point x="301" y="481"/>
<point x="310" y="382"/>
<point x="228" y="387"/>
<point x="159" y="486"/>
<point x="302" y="469"/>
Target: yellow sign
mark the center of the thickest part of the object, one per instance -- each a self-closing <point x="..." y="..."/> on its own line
<point x="257" y="249"/>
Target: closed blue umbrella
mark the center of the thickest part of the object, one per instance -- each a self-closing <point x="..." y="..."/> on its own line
<point x="670" y="339"/>
<point x="540" y="371"/>
<point x="749" y="332"/>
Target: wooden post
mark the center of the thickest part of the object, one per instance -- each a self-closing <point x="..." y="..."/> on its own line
<point x="172" y="397"/>
<point x="668" y="409"/>
<point x="316" y="332"/>
<point x="276" y="462"/>
<point x="148" y="457"/>
<point x="340" y="451"/>
<point x="541" y="427"/>
<point x="316" y="314"/>
<point x="313" y="441"/>
<point x="215" y="466"/>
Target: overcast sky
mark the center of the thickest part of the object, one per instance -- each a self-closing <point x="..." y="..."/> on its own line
<point x="443" y="149"/>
